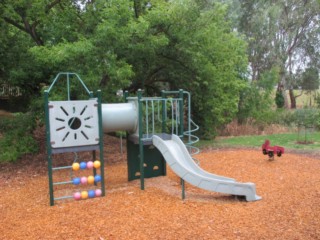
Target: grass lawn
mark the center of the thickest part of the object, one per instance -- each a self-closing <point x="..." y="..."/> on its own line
<point x="287" y="140"/>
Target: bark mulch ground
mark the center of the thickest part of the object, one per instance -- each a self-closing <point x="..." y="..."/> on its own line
<point x="289" y="209"/>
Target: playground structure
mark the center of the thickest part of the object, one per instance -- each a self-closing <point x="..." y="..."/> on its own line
<point x="72" y="127"/>
<point x="154" y="127"/>
<point x="271" y="151"/>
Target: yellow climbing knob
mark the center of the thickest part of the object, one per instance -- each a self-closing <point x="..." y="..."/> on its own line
<point x="96" y="164"/>
<point x="75" y="166"/>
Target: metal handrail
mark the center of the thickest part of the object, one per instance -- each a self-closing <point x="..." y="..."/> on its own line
<point x="192" y="149"/>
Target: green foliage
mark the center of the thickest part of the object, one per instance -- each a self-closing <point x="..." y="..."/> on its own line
<point x="215" y="60"/>
<point x="96" y="55"/>
<point x="256" y="100"/>
<point x="17" y="137"/>
<point x="307" y="117"/>
<point x="285" y="117"/>
<point x="279" y="33"/>
<point x="174" y="44"/>
<point x="317" y="100"/>
<point x="155" y="51"/>
<point x="279" y="99"/>
<point x="310" y="79"/>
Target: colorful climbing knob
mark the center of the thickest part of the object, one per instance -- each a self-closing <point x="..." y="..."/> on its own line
<point x="97" y="178"/>
<point x="91" y="193"/>
<point x="84" y="180"/>
<point x="83" y="165"/>
<point x="75" y="166"/>
<point x="76" y="181"/>
<point x="84" y="195"/>
<point x="98" y="192"/>
<point x="77" y="196"/>
<point x="96" y="164"/>
<point x="90" y="179"/>
<point x="90" y="165"/>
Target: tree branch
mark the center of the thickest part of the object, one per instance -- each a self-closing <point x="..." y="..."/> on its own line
<point x="51" y="5"/>
<point x="31" y="30"/>
<point x="298" y="95"/>
<point x="15" y="24"/>
<point x="150" y="78"/>
<point x="177" y="61"/>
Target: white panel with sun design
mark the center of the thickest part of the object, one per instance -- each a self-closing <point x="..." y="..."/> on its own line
<point x="73" y="123"/>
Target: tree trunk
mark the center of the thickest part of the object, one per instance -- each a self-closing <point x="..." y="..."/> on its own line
<point x="137" y="8"/>
<point x="281" y="88"/>
<point x="293" y="104"/>
<point x="285" y="98"/>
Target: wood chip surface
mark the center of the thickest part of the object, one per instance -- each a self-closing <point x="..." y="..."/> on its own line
<point x="289" y="209"/>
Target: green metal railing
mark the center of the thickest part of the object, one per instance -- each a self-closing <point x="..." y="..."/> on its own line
<point x="172" y="105"/>
<point x="191" y="125"/>
<point x="160" y="115"/>
<point x="172" y="110"/>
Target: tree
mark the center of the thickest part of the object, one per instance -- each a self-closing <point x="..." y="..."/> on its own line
<point x="310" y="82"/>
<point x="280" y="33"/>
<point x="29" y="16"/>
<point x="16" y="68"/>
<point x="210" y="64"/>
<point x="310" y="79"/>
<point x="125" y="44"/>
<point x="34" y="23"/>
<point x="257" y="98"/>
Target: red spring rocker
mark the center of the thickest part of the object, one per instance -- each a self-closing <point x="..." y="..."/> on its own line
<point x="271" y="151"/>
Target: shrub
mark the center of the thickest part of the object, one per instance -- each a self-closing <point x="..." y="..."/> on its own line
<point x="17" y="137"/>
<point x="317" y="100"/>
<point x="256" y="100"/>
<point x="279" y="100"/>
<point x="309" y="117"/>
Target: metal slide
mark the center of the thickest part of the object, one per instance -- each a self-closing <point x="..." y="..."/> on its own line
<point x="180" y="161"/>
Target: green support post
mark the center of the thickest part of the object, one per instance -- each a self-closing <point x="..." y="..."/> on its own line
<point x="94" y="157"/>
<point x="68" y="86"/>
<point x="141" y="153"/>
<point x="181" y="134"/>
<point x="49" y="151"/>
<point x="101" y="143"/>
<point x="125" y="97"/>
<point x="163" y="123"/>
<point x="163" y="112"/>
<point x="181" y="113"/>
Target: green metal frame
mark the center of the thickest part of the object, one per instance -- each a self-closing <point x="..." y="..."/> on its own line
<point x="181" y="131"/>
<point x="143" y="151"/>
<point x="49" y="149"/>
<point x="183" y="194"/>
<point x="48" y="137"/>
